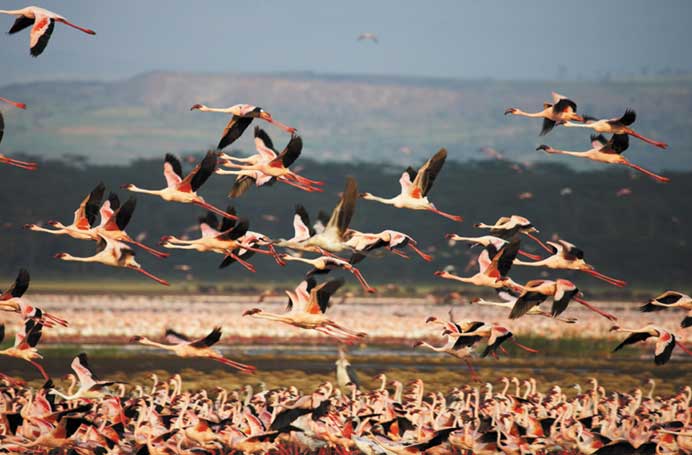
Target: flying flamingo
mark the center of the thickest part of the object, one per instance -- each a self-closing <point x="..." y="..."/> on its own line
<point x="326" y="263"/>
<point x="368" y="36"/>
<point x="185" y="347"/>
<point x="115" y="254"/>
<point x="562" y="110"/>
<point x="671" y="299"/>
<point x="25" y="342"/>
<point x="241" y="117"/>
<point x="619" y="125"/>
<point x="84" y="218"/>
<point x="494" y="264"/>
<point x="495" y="334"/>
<point x="90" y="387"/>
<point x="568" y="257"/>
<point x="486" y="240"/>
<point x="509" y="297"/>
<point x="562" y="291"/>
<point x="114" y="219"/>
<point x="415" y="187"/>
<point x="394" y="241"/>
<point x="42" y="23"/>
<point x="665" y="341"/>
<point x="460" y="347"/>
<point x="5" y="159"/>
<point x="263" y="172"/>
<point x="184" y="190"/>
<point x="507" y="226"/>
<point x="606" y="151"/>
<point x="11" y="300"/>
<point x="306" y="309"/>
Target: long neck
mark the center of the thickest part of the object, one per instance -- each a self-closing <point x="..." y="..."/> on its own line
<point x="149" y="342"/>
<point x="271" y="317"/>
<point x="576" y="125"/>
<point x="136" y="189"/>
<point x="458" y="278"/>
<point x="502" y="304"/>
<point x="566" y="152"/>
<point x="430" y="346"/>
<point x="13" y="12"/>
<point x="215" y="109"/>
<point x="296" y="258"/>
<point x="528" y="114"/>
<point x="372" y="197"/>
<point x="69" y="257"/>
<point x="49" y="231"/>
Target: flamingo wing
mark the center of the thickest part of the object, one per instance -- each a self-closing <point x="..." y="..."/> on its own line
<point x="108" y="208"/>
<point x="40" y="34"/>
<point x="632" y="338"/>
<point x="20" y="24"/>
<point x="343" y="212"/>
<point x="428" y="173"/>
<point x="617" y="144"/>
<point x="208" y="225"/>
<point x="664" y="348"/>
<point x="209" y="340"/>
<point x="564" y="105"/>
<point x="301" y="224"/>
<point x="264" y="144"/>
<point x="497" y="337"/>
<point x="85" y="215"/>
<point x="235" y="128"/>
<point x="238" y="230"/>
<point x="406" y="179"/>
<point x="628" y="118"/>
<point x="561" y="300"/>
<point x="241" y="185"/>
<point x="200" y="174"/>
<point x="526" y="301"/>
<point x="547" y="127"/>
<point x="667" y="298"/>
<point x="19" y="287"/>
<point x="322" y="293"/>
<point x="174" y="337"/>
<point x="172" y="171"/>
<point x="124" y="213"/>
<point x="289" y="154"/>
<point x="2" y="126"/>
<point x="80" y="365"/>
<point x="32" y="331"/>
<point x="598" y="141"/>
<point x="503" y="260"/>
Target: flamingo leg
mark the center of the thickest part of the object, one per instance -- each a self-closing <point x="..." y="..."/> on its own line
<point x="657" y="177"/>
<point x="661" y="145"/>
<point x="521" y="346"/>
<point x="309" y="189"/>
<point x="504" y="351"/>
<point x="330" y="333"/>
<point x="426" y="257"/>
<point x="346" y="330"/>
<point x="359" y="276"/>
<point x="149" y="275"/>
<point x="456" y="218"/>
<point x="249" y="369"/>
<point x="242" y="262"/>
<point x="286" y="128"/>
<point x="537" y="240"/>
<point x="148" y="249"/>
<point x="81" y="29"/>
<point x="211" y="208"/>
<point x="40" y="369"/>
<point x="55" y="319"/>
<point x="398" y="252"/>
<point x="593" y="308"/>
<point x="277" y="256"/>
<point x="682" y="346"/>
<point x="533" y="257"/>
<point x="607" y="279"/>
<point x="305" y="180"/>
<point x="20" y="164"/>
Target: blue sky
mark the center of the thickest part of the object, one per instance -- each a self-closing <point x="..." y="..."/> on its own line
<point x="446" y="38"/>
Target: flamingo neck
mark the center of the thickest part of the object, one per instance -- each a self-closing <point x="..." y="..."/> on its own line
<point x="215" y="109"/>
<point x="148" y="342"/>
<point x="372" y="197"/>
<point x="529" y="114"/>
<point x="136" y="189"/>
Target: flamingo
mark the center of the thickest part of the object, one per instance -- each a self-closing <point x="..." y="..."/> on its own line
<point x="368" y="36"/>
<point x="562" y="110"/>
<point x="495" y="334"/>
<point x="11" y="300"/>
<point x="486" y="240"/>
<point x="241" y="117"/>
<point x="345" y="373"/>
<point x="665" y="341"/>
<point x="415" y="187"/>
<point x="42" y="23"/>
<point x="306" y="309"/>
<point x="114" y="219"/>
<point x="84" y="218"/>
<point x="510" y="296"/>
<point x="562" y="291"/>
<point x="25" y="342"/>
<point x="184" y="190"/>
<point x="568" y="257"/>
<point x="460" y="347"/>
<point x="90" y="387"/>
<point x="115" y="254"/>
<point x="5" y="159"/>
<point x="394" y="241"/>
<point x="507" y="226"/>
<point x="671" y="299"/>
<point x="333" y="238"/>
<point x="491" y="272"/>
<point x="606" y="151"/>
<point x="326" y="263"/>
<point x="185" y="347"/>
<point x="265" y="171"/>
<point x="620" y="125"/>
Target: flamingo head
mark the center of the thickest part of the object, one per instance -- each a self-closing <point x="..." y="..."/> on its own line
<point x="196" y="107"/>
<point x="60" y="255"/>
<point x="544" y="147"/>
<point x="252" y="311"/>
<point x="136" y="339"/>
<point x="365" y="195"/>
<point x="614" y="328"/>
<point x="430" y="319"/>
<point x="417" y="343"/>
<point x="127" y="186"/>
<point x="510" y="110"/>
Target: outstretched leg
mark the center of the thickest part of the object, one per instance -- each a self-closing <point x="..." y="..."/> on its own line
<point x="661" y="145"/>
<point x="658" y="178"/>
<point x="537" y="240"/>
<point x="525" y="348"/>
<point x="249" y="369"/>
<point x="456" y="218"/>
<point x="594" y="309"/>
<point x="359" y="276"/>
<point x="149" y="275"/>
<point x="426" y="257"/>
<point x="607" y="279"/>
<point x="211" y="208"/>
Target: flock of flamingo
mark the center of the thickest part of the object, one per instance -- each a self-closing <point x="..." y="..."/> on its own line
<point x="104" y="417"/>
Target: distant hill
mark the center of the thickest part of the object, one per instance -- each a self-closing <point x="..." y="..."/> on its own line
<point x="341" y="118"/>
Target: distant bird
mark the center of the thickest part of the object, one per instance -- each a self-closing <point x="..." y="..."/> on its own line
<point x="184" y="190"/>
<point x="506" y="228"/>
<point x="324" y="264"/>
<point x="242" y="116"/>
<point x="115" y="254"/>
<point x="368" y="36"/>
<point x="671" y="299"/>
<point x="5" y="159"/>
<point x="307" y="306"/>
<point x="623" y="192"/>
<point x="459" y="347"/>
<point x="606" y="151"/>
<point x="84" y="218"/>
<point x="562" y="110"/>
<point x="415" y="187"/>
<point x="11" y="300"/>
<point x="345" y="373"/>
<point x="25" y="342"/>
<point x="665" y="341"/>
<point x="277" y="168"/>
<point x="620" y="125"/>
<point x="487" y="240"/>
<point x="90" y="386"/>
<point x="562" y="291"/>
<point x="42" y="23"/>
<point x="567" y="256"/>
<point x="495" y="334"/>
<point x="510" y="296"/>
<point x="185" y="347"/>
<point x="394" y="241"/>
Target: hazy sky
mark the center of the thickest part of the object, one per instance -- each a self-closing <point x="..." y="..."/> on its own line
<point x="450" y="38"/>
